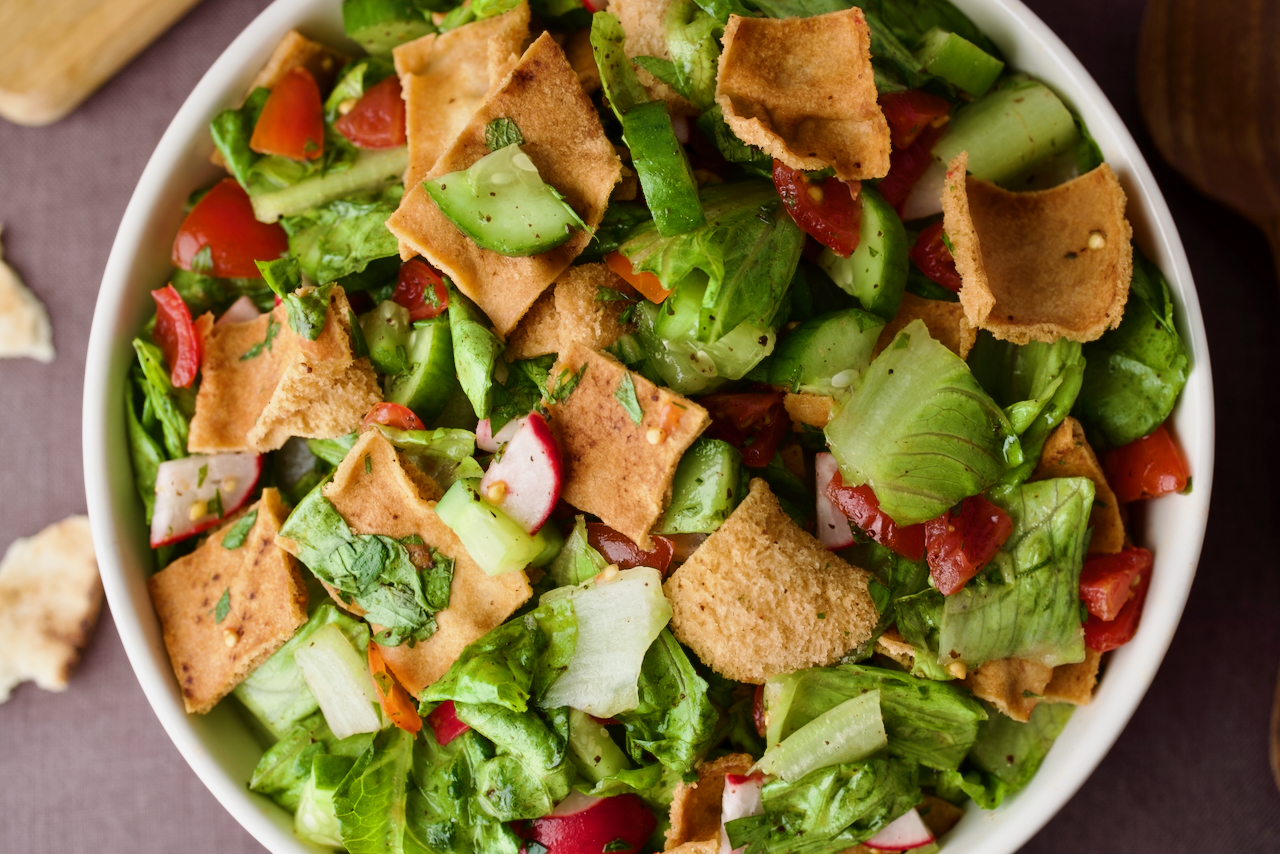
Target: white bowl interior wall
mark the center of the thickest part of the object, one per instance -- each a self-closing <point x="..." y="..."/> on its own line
<point x="220" y="747"/>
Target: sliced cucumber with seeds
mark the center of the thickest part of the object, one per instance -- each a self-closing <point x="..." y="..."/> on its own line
<point x="876" y="273"/>
<point x="504" y="205"/>
<point x="708" y="486"/>
<point x="386" y="334"/>
<point x="825" y="353"/>
<point x="428" y="382"/>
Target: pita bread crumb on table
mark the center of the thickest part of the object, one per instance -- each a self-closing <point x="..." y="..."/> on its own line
<point x="762" y="597"/>
<point x="695" y="807"/>
<point x="944" y="320"/>
<point x="572" y="310"/>
<point x="803" y="90"/>
<point x="1041" y="265"/>
<point x="564" y="139"/>
<point x="50" y="596"/>
<point x="614" y="468"/>
<point x="294" y="387"/>
<point x="25" y="331"/>
<point x="225" y="611"/>
<point x="1067" y="453"/>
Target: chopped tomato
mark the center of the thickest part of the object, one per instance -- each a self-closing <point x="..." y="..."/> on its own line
<point x="757" y="711"/>
<point x="392" y="415"/>
<point x="445" y="723"/>
<point x="648" y="284"/>
<point x="292" y="120"/>
<point x="934" y="259"/>
<point x="862" y="507"/>
<point x="221" y="227"/>
<point x="906" y="165"/>
<point x="421" y="290"/>
<point x="176" y="336"/>
<point x="909" y="113"/>
<point x="1148" y="468"/>
<point x="963" y="540"/>
<point x="377" y="120"/>
<point x="754" y="422"/>
<point x="617" y="548"/>
<point x="829" y="211"/>
<point x="399" y="707"/>
<point x="1104" y="635"/>
<point x="1107" y="581"/>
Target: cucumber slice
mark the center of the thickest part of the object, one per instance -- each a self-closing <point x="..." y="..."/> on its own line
<point x="494" y="540"/>
<point x="316" y="820"/>
<point x="850" y="732"/>
<point x="676" y="317"/>
<point x="663" y="169"/>
<point x="371" y="171"/>
<point x="380" y="25"/>
<point x="386" y="335"/>
<point x="876" y="273"/>
<point x="958" y="61"/>
<point x="503" y="205"/>
<point x="686" y="366"/>
<point x="592" y="749"/>
<point x="707" y="487"/>
<point x="825" y="353"/>
<point x="428" y="381"/>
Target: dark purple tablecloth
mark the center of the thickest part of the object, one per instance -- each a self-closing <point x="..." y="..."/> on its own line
<point x="91" y="769"/>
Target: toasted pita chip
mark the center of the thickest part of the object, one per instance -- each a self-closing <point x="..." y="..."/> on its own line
<point x="50" y="596"/>
<point x="573" y="311"/>
<point x="388" y="496"/>
<point x="762" y="597"/>
<point x="939" y="815"/>
<point x="803" y="90"/>
<point x="1074" y="683"/>
<point x="25" y="331"/>
<point x="1067" y="454"/>
<point x="695" y="807"/>
<point x="577" y="47"/>
<point x="944" y="320"/>
<point x="1012" y="685"/>
<point x="644" y="24"/>
<point x="611" y="466"/>
<point x="1043" y="265"/>
<point x="813" y="410"/>
<point x="564" y="139"/>
<point x="295" y="387"/>
<point x="224" y="611"/>
<point x="891" y="645"/>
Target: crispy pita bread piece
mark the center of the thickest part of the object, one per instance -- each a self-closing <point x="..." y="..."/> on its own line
<point x="1043" y="265"/>
<point x="762" y="597"/>
<point x="564" y="139"/>
<point x="586" y="305"/>
<point x="939" y="815"/>
<point x="695" y="807"/>
<point x="445" y="78"/>
<point x="262" y="383"/>
<point x="224" y="611"/>
<point x="50" y="597"/>
<point x="1067" y="454"/>
<point x="387" y="496"/>
<point x="25" y="330"/>
<point x="803" y="90"/>
<point x="1074" y="683"/>
<point x="1012" y="685"/>
<point x="891" y="645"/>
<point x="613" y="467"/>
<point x="944" y="320"/>
<point x="644" y="23"/>
<point x="812" y="410"/>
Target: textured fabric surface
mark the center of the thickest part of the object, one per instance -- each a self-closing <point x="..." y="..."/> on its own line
<point x="90" y="770"/>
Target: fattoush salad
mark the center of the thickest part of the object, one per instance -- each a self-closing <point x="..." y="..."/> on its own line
<point x="686" y="425"/>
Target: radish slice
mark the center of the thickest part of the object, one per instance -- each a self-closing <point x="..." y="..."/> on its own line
<point x="594" y="6"/>
<point x="189" y="490"/>
<point x="925" y="198"/>
<point x="445" y="723"/>
<point x="486" y="441"/>
<point x="741" y="799"/>
<point x="525" y="482"/>
<point x="905" y="832"/>
<point x="833" y="526"/>
<point x="241" y="311"/>
<point x="581" y="824"/>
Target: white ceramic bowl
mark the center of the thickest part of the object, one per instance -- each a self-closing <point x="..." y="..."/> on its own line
<point x="219" y="747"/>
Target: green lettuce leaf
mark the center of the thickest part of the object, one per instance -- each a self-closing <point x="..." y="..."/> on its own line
<point x="164" y="406"/>
<point x="691" y="40"/>
<point x="445" y="454"/>
<point x="577" y="560"/>
<point x="753" y="160"/>
<point x="443" y="818"/>
<point x="1026" y="603"/>
<point x="341" y="237"/>
<point x="144" y="450"/>
<point x="231" y="131"/>
<point x="203" y="293"/>
<point x="1011" y="751"/>
<point x="621" y="86"/>
<point x="920" y="430"/>
<point x="284" y="769"/>
<point x="370" y="801"/>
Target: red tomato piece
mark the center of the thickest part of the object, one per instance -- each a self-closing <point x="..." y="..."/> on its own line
<point x="444" y="722"/>
<point x="421" y="290"/>
<point x="934" y="259"/>
<point x="830" y="212"/>
<point x="223" y="223"/>
<point x="1107" y="580"/>
<point x="581" y="824"/>
<point x="292" y="120"/>
<point x="909" y="113"/>
<point x="963" y="540"/>
<point x="754" y="422"/>
<point x="176" y="336"/>
<point x="648" y="284"/>
<point x="862" y="507"/>
<point x="392" y="415"/>
<point x="906" y="165"/>
<point x="1104" y="635"/>
<point x="377" y="120"/>
<point x="1148" y="468"/>
<point x="395" y="700"/>
<point x="618" y="548"/>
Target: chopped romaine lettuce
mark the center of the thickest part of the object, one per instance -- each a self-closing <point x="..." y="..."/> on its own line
<point x="370" y="801"/>
<point x="340" y="238"/>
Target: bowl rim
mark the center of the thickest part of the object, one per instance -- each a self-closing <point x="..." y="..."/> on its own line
<point x="150" y="216"/>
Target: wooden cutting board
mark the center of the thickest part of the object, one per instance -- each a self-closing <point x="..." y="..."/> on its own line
<point x="55" y="53"/>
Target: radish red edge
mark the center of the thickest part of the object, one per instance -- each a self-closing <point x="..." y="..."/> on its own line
<point x="445" y="723"/>
<point x="741" y="799"/>
<point x="525" y="482"/>
<point x="904" y="833"/>
<point x="179" y="532"/>
<point x="834" y="530"/>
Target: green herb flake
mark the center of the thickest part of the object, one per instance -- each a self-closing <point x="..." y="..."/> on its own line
<point x="610" y="295"/>
<point x="413" y="540"/>
<point x="202" y="261"/>
<point x="307" y="311"/>
<point x="879" y="595"/>
<point x="204" y="472"/>
<point x="822" y="615"/>
<point x="359" y="347"/>
<point x="368" y="465"/>
<point x="565" y="383"/>
<point x="626" y="395"/>
<point x="215" y="503"/>
<point x="273" y="328"/>
<point x="502" y="132"/>
<point x="223" y="607"/>
<point x="617" y="845"/>
<point x="239" y="532"/>
<point x="946" y="241"/>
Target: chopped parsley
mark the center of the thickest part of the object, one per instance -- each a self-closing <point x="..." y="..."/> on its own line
<point x="239" y="532"/>
<point x="565" y="383"/>
<point x="368" y="464"/>
<point x="223" y="607"/>
<point x="204" y="472"/>
<point x="626" y="395"/>
<point x="502" y="132"/>
<point x="215" y="503"/>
